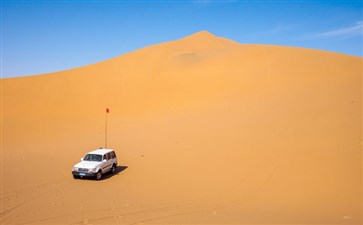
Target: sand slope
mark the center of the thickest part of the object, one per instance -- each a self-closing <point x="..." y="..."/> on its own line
<point x="207" y="130"/>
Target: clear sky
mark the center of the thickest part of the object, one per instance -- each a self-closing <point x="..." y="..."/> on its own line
<point x="42" y="36"/>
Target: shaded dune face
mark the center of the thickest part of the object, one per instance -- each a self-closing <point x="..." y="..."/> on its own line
<point x="208" y="131"/>
<point x="187" y="58"/>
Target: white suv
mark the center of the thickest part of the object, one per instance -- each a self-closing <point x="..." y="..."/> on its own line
<point x="95" y="164"/>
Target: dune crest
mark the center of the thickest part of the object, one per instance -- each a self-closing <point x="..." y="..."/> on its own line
<point x="207" y="131"/>
<point x="207" y="38"/>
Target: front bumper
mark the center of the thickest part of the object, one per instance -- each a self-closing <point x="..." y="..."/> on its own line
<point x="83" y="174"/>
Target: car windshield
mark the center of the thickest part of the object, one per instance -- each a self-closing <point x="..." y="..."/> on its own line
<point x="93" y="157"/>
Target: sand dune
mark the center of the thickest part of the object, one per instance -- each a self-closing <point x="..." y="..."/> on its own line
<point x="208" y="131"/>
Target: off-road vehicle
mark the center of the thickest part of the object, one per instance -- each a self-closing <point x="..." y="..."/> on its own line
<point x="95" y="164"/>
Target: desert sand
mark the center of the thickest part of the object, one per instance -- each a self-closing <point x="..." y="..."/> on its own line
<point x="207" y="131"/>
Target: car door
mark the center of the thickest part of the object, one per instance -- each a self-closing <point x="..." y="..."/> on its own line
<point x="113" y="158"/>
<point x="110" y="161"/>
<point x="107" y="164"/>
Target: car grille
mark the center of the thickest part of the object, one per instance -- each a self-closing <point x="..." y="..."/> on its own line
<point x="82" y="170"/>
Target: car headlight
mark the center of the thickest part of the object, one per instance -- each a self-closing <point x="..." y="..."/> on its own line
<point x="92" y="170"/>
<point x="74" y="169"/>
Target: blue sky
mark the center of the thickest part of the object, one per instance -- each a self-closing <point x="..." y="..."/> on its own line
<point x="52" y="35"/>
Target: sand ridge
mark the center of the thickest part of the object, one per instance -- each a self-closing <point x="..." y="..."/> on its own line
<point x="208" y="131"/>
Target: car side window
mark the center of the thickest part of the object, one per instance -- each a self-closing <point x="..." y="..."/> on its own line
<point x="113" y="155"/>
<point x="105" y="157"/>
<point x="108" y="156"/>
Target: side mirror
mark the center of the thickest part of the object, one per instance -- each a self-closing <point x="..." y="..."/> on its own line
<point x="81" y="159"/>
<point x="104" y="160"/>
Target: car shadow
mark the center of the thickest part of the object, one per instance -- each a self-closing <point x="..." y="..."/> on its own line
<point x="119" y="169"/>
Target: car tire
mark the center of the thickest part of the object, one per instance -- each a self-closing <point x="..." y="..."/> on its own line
<point x="75" y="177"/>
<point x="99" y="175"/>
<point x="113" y="170"/>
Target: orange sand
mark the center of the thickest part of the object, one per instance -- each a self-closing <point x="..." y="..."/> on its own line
<point x="211" y="132"/>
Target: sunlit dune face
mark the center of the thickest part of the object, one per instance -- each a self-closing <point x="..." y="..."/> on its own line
<point x="207" y="131"/>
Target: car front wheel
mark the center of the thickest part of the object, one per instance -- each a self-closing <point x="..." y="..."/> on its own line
<point x="99" y="175"/>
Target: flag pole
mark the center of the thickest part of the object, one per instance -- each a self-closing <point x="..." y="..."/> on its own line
<point x="107" y="111"/>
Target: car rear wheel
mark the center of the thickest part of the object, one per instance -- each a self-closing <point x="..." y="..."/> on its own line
<point x="113" y="170"/>
<point x="99" y="175"/>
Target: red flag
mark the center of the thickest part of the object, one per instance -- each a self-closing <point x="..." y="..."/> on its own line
<point x="107" y="110"/>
